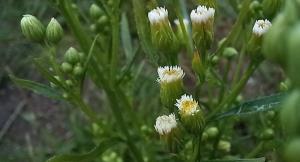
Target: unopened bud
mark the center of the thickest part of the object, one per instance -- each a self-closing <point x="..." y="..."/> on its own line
<point x="267" y="134"/>
<point x="102" y="20"/>
<point x="230" y="52"/>
<point x="32" y="28"/>
<point x="78" y="70"/>
<point x="66" y="67"/>
<point x="72" y="56"/>
<point x="212" y="132"/>
<point x="224" y="146"/>
<point x="54" y="31"/>
<point x="69" y="83"/>
<point x="95" y="11"/>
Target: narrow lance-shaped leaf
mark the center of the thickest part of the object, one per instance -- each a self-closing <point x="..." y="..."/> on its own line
<point x="126" y="38"/>
<point x="36" y="87"/>
<point x="259" y="105"/>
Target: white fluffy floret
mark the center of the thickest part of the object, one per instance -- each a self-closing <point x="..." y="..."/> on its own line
<point x="261" y="27"/>
<point x="187" y="105"/>
<point x="169" y="74"/>
<point x="202" y="14"/>
<point x="157" y="15"/>
<point x="165" y="124"/>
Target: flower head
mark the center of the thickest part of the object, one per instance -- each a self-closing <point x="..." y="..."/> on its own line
<point x="202" y="14"/>
<point x="261" y="27"/>
<point x="157" y="15"/>
<point x="187" y="105"/>
<point x="165" y="124"/>
<point x="169" y="74"/>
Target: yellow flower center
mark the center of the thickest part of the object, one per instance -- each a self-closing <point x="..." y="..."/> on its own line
<point x="169" y="72"/>
<point x="187" y="106"/>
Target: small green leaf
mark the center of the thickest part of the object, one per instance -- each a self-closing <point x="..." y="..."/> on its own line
<point x="91" y="155"/>
<point x="126" y="38"/>
<point x="240" y="160"/>
<point x="36" y="87"/>
<point x="251" y="107"/>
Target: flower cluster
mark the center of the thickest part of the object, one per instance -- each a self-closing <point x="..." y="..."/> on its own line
<point x="202" y="14"/>
<point x="158" y="15"/>
<point x="169" y="74"/>
<point x="261" y="27"/>
<point x="165" y="124"/>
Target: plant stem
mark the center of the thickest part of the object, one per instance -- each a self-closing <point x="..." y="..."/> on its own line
<point x="237" y="88"/>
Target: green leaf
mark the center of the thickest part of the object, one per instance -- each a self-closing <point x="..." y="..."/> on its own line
<point x="240" y="160"/>
<point x="126" y="38"/>
<point x="36" y="87"/>
<point x="91" y="155"/>
<point x="251" y="107"/>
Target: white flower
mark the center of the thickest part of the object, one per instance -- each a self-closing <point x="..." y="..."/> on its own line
<point x="165" y="124"/>
<point x="261" y="27"/>
<point x="187" y="105"/>
<point x="202" y="14"/>
<point x="185" y="22"/>
<point x="169" y="74"/>
<point x="157" y="15"/>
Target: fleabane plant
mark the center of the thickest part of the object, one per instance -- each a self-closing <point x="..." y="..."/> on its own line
<point x="200" y="77"/>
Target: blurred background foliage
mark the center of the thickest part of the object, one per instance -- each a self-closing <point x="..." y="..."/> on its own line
<point x="34" y="128"/>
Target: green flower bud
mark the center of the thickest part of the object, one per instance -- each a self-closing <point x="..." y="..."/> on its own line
<point x="171" y="85"/>
<point x="102" y="20"/>
<point x="69" y="83"/>
<point x="81" y="56"/>
<point x="268" y="134"/>
<point x="290" y="114"/>
<point x="293" y="55"/>
<point x="65" y="95"/>
<point x="204" y="136"/>
<point x="292" y="151"/>
<point x="230" y="52"/>
<point x="72" y="56"/>
<point x="32" y="28"/>
<point x="212" y="132"/>
<point x="66" y="67"/>
<point x="78" y="70"/>
<point x="54" y="32"/>
<point x="95" y="11"/>
<point x="224" y="146"/>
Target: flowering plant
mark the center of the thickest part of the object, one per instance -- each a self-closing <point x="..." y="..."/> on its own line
<point x="199" y="101"/>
